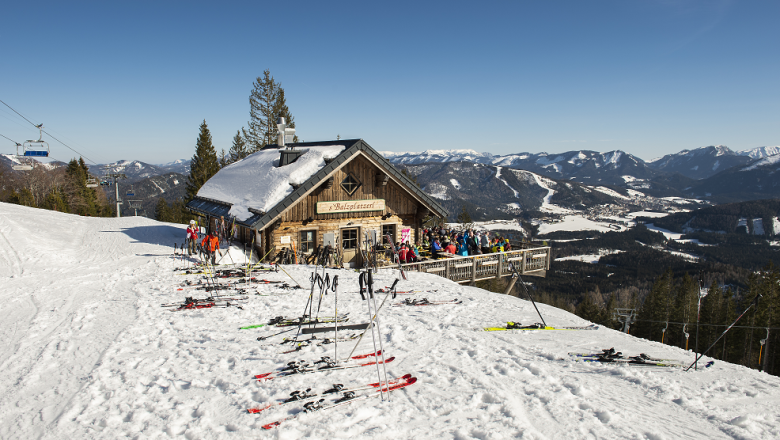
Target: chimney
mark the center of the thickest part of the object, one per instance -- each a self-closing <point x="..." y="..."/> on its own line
<point x="288" y="155"/>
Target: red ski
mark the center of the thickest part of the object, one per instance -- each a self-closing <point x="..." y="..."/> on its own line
<point x="297" y="396"/>
<point x="346" y="399"/>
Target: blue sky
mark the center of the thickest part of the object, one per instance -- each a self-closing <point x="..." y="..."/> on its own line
<point x="133" y="80"/>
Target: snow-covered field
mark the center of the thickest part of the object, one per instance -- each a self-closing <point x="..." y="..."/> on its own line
<point x="590" y="258"/>
<point x="89" y="353"/>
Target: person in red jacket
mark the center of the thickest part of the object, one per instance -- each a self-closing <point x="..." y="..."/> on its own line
<point x="403" y="253"/>
<point x="192" y="237"/>
<point x="450" y="248"/>
<point x="210" y="245"/>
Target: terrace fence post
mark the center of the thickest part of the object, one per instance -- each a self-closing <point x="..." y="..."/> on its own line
<point x="524" y="256"/>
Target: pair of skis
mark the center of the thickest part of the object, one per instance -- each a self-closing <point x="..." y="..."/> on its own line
<point x="208" y="305"/>
<point x="426" y="302"/>
<point x="616" y="357"/>
<point x="281" y="321"/>
<point x="301" y="344"/>
<point x="328" y="364"/>
<point x="516" y="326"/>
<point x="212" y="299"/>
<point x="297" y="396"/>
<point x="347" y="397"/>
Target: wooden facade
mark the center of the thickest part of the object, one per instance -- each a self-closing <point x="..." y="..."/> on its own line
<point x="358" y="174"/>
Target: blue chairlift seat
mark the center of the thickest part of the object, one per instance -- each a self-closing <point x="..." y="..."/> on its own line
<point x="37" y="153"/>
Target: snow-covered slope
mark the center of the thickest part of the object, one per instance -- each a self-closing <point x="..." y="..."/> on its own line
<point x="89" y="353"/>
<point x="583" y="166"/>
<point x="134" y="170"/>
<point x="181" y="166"/>
<point x="760" y="152"/>
<point x="700" y="163"/>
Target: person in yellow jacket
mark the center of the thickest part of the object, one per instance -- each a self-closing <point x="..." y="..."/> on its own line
<point x="498" y="246"/>
<point x="210" y="245"/>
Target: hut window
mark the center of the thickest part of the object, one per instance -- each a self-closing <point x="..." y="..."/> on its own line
<point x="388" y="230"/>
<point x="349" y="239"/>
<point x="350" y="184"/>
<point x="308" y="240"/>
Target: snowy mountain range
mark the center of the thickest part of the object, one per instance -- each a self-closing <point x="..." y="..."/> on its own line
<point x="136" y="170"/>
<point x="591" y="166"/>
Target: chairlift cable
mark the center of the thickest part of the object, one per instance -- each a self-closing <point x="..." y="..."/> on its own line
<point x="17" y="143"/>
<point x="39" y="126"/>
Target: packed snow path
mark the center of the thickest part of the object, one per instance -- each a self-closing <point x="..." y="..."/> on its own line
<point x="89" y="353"/>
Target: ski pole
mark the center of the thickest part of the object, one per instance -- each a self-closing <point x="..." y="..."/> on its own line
<point x="389" y="292"/>
<point x="378" y="328"/>
<point x="366" y="276"/>
<point x="280" y="267"/>
<point x="754" y="303"/>
<point x="263" y="338"/>
<point x="336" y="319"/>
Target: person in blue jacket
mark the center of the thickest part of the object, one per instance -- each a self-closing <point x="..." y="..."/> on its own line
<point x="435" y="248"/>
<point x="462" y="249"/>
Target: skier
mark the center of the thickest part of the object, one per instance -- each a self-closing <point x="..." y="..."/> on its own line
<point x="210" y="245"/>
<point x="192" y="237"/>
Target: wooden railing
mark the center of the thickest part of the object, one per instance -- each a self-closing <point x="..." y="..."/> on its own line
<point x="532" y="261"/>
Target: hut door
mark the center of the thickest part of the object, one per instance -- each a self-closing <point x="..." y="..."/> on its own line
<point x="349" y="247"/>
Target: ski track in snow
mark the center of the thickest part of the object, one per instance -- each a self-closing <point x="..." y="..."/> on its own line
<point x="93" y="355"/>
<point x="498" y="176"/>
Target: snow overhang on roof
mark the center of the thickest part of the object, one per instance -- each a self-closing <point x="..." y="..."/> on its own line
<point x="256" y="191"/>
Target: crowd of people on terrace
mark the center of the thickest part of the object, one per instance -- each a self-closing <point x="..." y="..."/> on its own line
<point x="438" y="242"/>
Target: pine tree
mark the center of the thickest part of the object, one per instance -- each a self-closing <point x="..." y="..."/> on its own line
<point x="55" y="201"/>
<point x="281" y="110"/>
<point x="588" y="309"/>
<point x="223" y="159"/>
<point x="464" y="218"/>
<point x="266" y="104"/>
<point x="238" y="150"/>
<point x="262" y="121"/>
<point x="161" y="211"/>
<point x="204" y="163"/>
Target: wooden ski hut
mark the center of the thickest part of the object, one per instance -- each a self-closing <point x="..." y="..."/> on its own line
<point x="316" y="193"/>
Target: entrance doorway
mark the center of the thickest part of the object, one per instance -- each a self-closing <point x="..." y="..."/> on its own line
<point x="349" y="247"/>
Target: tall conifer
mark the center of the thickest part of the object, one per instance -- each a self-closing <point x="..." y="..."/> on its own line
<point x="238" y="150"/>
<point x="204" y="163"/>
<point x="266" y="104"/>
<point x="262" y="120"/>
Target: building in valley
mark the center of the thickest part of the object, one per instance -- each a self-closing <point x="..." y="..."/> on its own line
<point x="316" y="193"/>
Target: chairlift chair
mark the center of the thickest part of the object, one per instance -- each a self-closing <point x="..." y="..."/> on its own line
<point x="24" y="164"/>
<point x="92" y="182"/>
<point x="39" y="148"/>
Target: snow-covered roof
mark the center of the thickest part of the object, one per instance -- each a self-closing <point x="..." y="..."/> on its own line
<point x="258" y="182"/>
